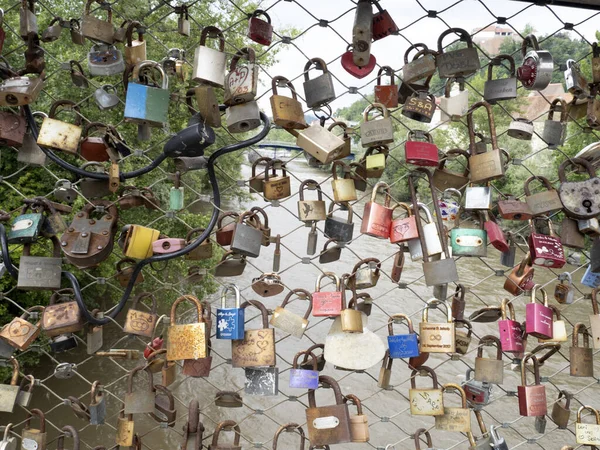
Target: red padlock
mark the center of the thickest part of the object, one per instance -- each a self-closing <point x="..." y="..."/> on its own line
<point x="420" y="149"/>
<point x="377" y="219"/>
<point x="93" y="148"/>
<point x="495" y="234"/>
<point x="403" y="228"/>
<point x="259" y="30"/>
<point x="386" y="94"/>
<point x="538" y="316"/>
<point x="546" y="250"/>
<point x="511" y="335"/>
<point x="353" y="69"/>
<point x="168" y="245"/>
<point x="327" y="304"/>
<point x="532" y="399"/>
<point x="383" y="24"/>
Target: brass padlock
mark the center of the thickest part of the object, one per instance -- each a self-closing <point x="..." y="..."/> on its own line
<point x="124" y="273"/>
<point x="365" y="273"/>
<point x="20" y="333"/>
<point x="489" y="165"/>
<point x="278" y="186"/>
<point x="187" y="341"/>
<point x="425" y="402"/>
<point x="257" y="349"/>
<point x="311" y="210"/>
<point x="385" y="372"/>
<point x="455" y="419"/>
<point x="255" y="182"/>
<point x="359" y="423"/>
<point x="62" y="315"/>
<point x="561" y="413"/>
<point x="268" y="285"/>
<point x="587" y="433"/>
<point x="141" y="323"/>
<point x="487" y="369"/>
<point x="207" y="104"/>
<point x="379" y="131"/>
<point x="135" y="49"/>
<point x="125" y="427"/>
<point x="581" y="358"/>
<point x="202" y="251"/>
<point x="343" y="188"/>
<point x="33" y="438"/>
<point x="437" y="337"/>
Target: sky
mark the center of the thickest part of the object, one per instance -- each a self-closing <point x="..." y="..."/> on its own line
<point x="326" y="44"/>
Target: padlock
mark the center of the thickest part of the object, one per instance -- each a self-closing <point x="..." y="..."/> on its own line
<point x="511" y="208"/>
<point x="135" y="49"/>
<point x="67" y="430"/>
<point x="187" y="341"/>
<point x="538" y="316"/>
<point x="94" y="335"/>
<point x="328" y="424"/>
<point x="8" y="442"/>
<point x="40" y="272"/>
<point x="287" y="111"/>
<point x="140" y="400"/>
<point x="33" y="438"/>
<point x="75" y="32"/>
<point x="247" y="236"/>
<point x="385" y="372"/>
<point x="402" y="345"/>
<point x="202" y="251"/>
<point x="532" y="399"/>
<point x="546" y="250"/>
<point x="259" y="30"/>
<point x="255" y="182"/>
<point x="498" y="442"/>
<point x="352" y="68"/>
<point x="230" y="321"/>
<point x="544" y="202"/>
<point x="257" y="348"/>
<point x="462" y="340"/>
<point x="501" y="88"/>
<point x="346" y="150"/>
<point x="403" y="229"/>
<point x="468" y="241"/>
<point x="125" y="427"/>
<point x="377" y="218"/>
<point x="224" y="233"/>
<point x="425" y="402"/>
<point x="372" y="164"/>
<point x="495" y="234"/>
<point x="570" y="235"/>
<point x="164" y="407"/>
<point x="311" y="210"/>
<point x="485" y="166"/>
<point x="445" y="179"/>
<point x="576" y="83"/>
<point x="587" y="433"/>
<point x="420" y="150"/>
<point x="521" y="277"/>
<point x="290" y="428"/>
<point x="555" y="132"/>
<point x="386" y="94"/>
<point x="288" y="321"/>
<point x="183" y="27"/>
<point x="105" y="60"/>
<point x="362" y="33"/>
<point x="261" y="381"/>
<point x="350" y="317"/>
<point x="319" y="143"/>
<point x="26" y="227"/>
<point x="30" y="152"/>
<point x="209" y="64"/>
<point x="25" y="393"/>
<point x="231" y="265"/>
<point x="94" y="148"/>
<point x="34" y="56"/>
<point x="62" y="315"/>
<point x="453" y="107"/>
<point x="561" y="413"/>
<point x="226" y="425"/>
<point x="20" y="333"/>
<point x="359" y="423"/>
<point x="124" y="274"/>
<point x="330" y="254"/>
<point x="96" y="29"/>
<point x="104" y="99"/>
<point x="318" y="91"/>
<point x="241" y="81"/>
<point x="590" y="227"/>
<point x="242" y="117"/>
<point x="478" y="392"/>
<point x="141" y="323"/>
<point x="61" y="135"/>
<point x="267" y="285"/>
<point x="521" y="128"/>
<point x="437" y="337"/>
<point x="421" y="67"/>
<point x="206" y="104"/>
<point x="304" y="378"/>
<point x="338" y="229"/>
<point x="429" y="232"/>
<point x="559" y="328"/>
<point x="458" y="302"/>
<point x="365" y="273"/>
<point x="167" y="245"/>
<point x="420" y="106"/>
<point x="97" y="407"/>
<point x="489" y="370"/>
<point x="564" y="292"/>
<point x="12" y="129"/>
<point x="581" y="358"/>
<point x="537" y="67"/>
<point x="579" y="198"/>
<point x="343" y="188"/>
<point x="459" y="62"/>
<point x="198" y="367"/>
<point x="145" y="104"/>
<point x="327" y="304"/>
<point x="360" y="181"/>
<point x="455" y="419"/>
<point x="9" y="392"/>
<point x="27" y="19"/>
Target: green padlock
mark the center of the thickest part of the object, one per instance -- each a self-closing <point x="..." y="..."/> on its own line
<point x="468" y="241"/>
<point x="147" y="105"/>
<point x="176" y="194"/>
<point x="26" y="227"/>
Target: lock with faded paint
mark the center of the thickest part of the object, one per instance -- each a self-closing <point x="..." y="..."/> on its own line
<point x="288" y="321"/>
<point x="453" y="107"/>
<point x="437" y="337"/>
<point x="478" y="392"/>
<point x="209" y="64"/>
<point x="425" y="402"/>
<point x="318" y="91"/>
<point x="62" y="315"/>
<point x="135" y="49"/>
<point x="511" y="335"/>
<point x="125" y="427"/>
<point x="144" y="104"/>
<point x="327" y="304"/>
<point x="521" y="277"/>
<point x="468" y="241"/>
<point x="402" y="345"/>
<point x="532" y="398"/>
<point x="422" y="66"/>
<point x="455" y="418"/>
<point x="521" y="128"/>
<point x="420" y="150"/>
<point x="386" y="94"/>
<point x="304" y="378"/>
<point x="105" y="60"/>
<point x="241" y="81"/>
<point x="377" y="218"/>
<point x="257" y="348"/>
<point x="579" y="198"/>
<point x="489" y="165"/>
<point x="261" y="381"/>
<point x="500" y="88"/>
<point x="260" y="30"/>
<point x="19" y="332"/>
<point x="58" y="134"/>
<point x="537" y="67"/>
<point x="188" y="341"/>
<point x="420" y="106"/>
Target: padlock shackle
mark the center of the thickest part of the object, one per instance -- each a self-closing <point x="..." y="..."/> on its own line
<point x="351" y="398"/>
<point x="417" y="436"/>
<point x="302" y="294"/>
<point x="398" y="317"/>
<point x="471" y="126"/>
<point x="260" y="12"/>
<point x="78" y="66"/>
<point x="326" y="380"/>
<point x="343" y="126"/>
<point x="545" y="181"/>
<point x="405" y="206"/>
<point x="306" y="354"/>
<point x="247" y="52"/>
<point x="264" y="159"/>
<point x="280" y="80"/>
<point x="15" y="371"/>
<point x="319" y="65"/>
<point x="575" y="162"/>
<point x="567" y="395"/>
<point x="129" y="32"/>
<point x="416" y="46"/>
<point x="417" y="371"/>
<point x="525" y="261"/>
<point x="463" y="36"/>
<point x="591" y="409"/>
<point x="450" y="82"/>
<point x="457" y="152"/>
<point x="367" y="261"/>
<point x="263" y="310"/>
<point x="433" y="302"/>
<point x="233" y="214"/>
<point x="132" y="374"/>
<point x="331" y="276"/>
<point x="147" y="63"/>
<point x="538" y="287"/>
<point x="272" y="164"/>
<point x="387" y="70"/>
<point x="187" y="298"/>
<point x="142" y="295"/>
<point x="230" y="287"/>
<point x="71" y="105"/>
<point x="554" y="107"/>
<point x="61" y="439"/>
<point x="214" y="31"/>
<point x="536" y="368"/>
<point x="497" y="61"/>
<point x="421" y="136"/>
<point x="309" y="182"/>
<point x="330" y="210"/>
<point x="379" y="106"/>
<point x="529" y="41"/>
<point x="265" y="217"/>
<point x="386" y="189"/>
<point x="338" y="163"/>
<point x="490" y="340"/>
<point x="226" y="425"/>
<point x="457" y="388"/>
<point x="290" y="428"/>
<point x="40" y="415"/>
<point x="595" y="301"/>
<point x="465" y="324"/>
<point x="580" y="328"/>
<point x="507" y="303"/>
<point x="59" y="296"/>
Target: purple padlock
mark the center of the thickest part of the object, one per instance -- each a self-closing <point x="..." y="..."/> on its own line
<point x="538" y="317"/>
<point x="302" y="378"/>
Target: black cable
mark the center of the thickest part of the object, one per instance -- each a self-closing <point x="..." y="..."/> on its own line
<point x="5" y="254"/>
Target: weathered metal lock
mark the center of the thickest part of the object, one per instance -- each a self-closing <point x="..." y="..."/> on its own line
<point x="328" y="424"/>
<point x="455" y="419"/>
<point x="445" y="179"/>
<point x="319" y="91"/>
<point x="347" y="131"/>
<point x="402" y="345"/>
<point x="124" y="273"/>
<point x="377" y="218"/>
<point x="259" y="30"/>
<point x="202" y="251"/>
<point x="587" y="433"/>
<point x="183" y="26"/>
<point x="94" y="148"/>
<point x="97" y="407"/>
<point x="267" y="285"/>
<point x="460" y="62"/>
<point x="9" y="392"/>
<point x="104" y="99"/>
<point x="247" y="236"/>
<point x="489" y="165"/>
<point x="8" y="442"/>
<point x="420" y="106"/>
<point x="537" y="67"/>
<point x="26" y="227"/>
<point x="489" y="370"/>
<point x="498" y="442"/>
<point x="478" y="392"/>
<point x="68" y="430"/>
<point x="105" y="60"/>
<point x="40" y="272"/>
<point x="288" y="321"/>
<point x="338" y="229"/>
<point x="546" y="250"/>
<point x="576" y="83"/>
<point x="287" y="111"/>
<point x="538" y="317"/>
<point x="231" y="265"/>
<point x="343" y="188"/>
<point x="330" y="254"/>
<point x="255" y="182"/>
<point x="437" y="337"/>
<point x="27" y="19"/>
<point x="420" y="150"/>
<point x="561" y="413"/>
<point x="226" y="425"/>
<point x="20" y="333"/>
<point x="135" y="49"/>
<point x="513" y="209"/>
<point x="365" y="273"/>
<point x="453" y="107"/>
<point x="141" y="323"/>
<point x="261" y="381"/>
<point x="206" y="104"/>
<point x="564" y="292"/>
<point x="425" y="402"/>
<point x="33" y="438"/>
<point x="187" y="341"/>
<point x="145" y="104"/>
<point x="468" y="241"/>
<point x="581" y="358"/>
<point x="58" y="134"/>
<point x="545" y="202"/>
<point x="141" y="400"/>
<point x="320" y="143"/>
<point x="532" y="399"/>
<point x="362" y="33"/>
<point x="372" y="164"/>
<point x="199" y="367"/>
<point x="164" y="406"/>
<point x="75" y="31"/>
<point x="521" y="128"/>
<point x="554" y="133"/>
<point x="18" y="91"/>
<point x="276" y="187"/>
<point x="521" y="277"/>
<point x="62" y="315"/>
<point x="422" y="65"/>
<point x="462" y="339"/>
<point x="257" y="348"/>
<point x="350" y="317"/>
<point x="386" y="94"/>
<point x="385" y="372"/>
<point x="502" y="88"/>
<point x="25" y="393"/>
<point x="579" y="198"/>
<point x="125" y="427"/>
<point x="458" y="302"/>
<point x="359" y="423"/>
<point x="404" y="228"/>
<point x="12" y="129"/>
<point x="96" y="29"/>
<point x="311" y="210"/>
<point x="241" y="81"/>
<point x="242" y="117"/>
<point x="304" y="378"/>
<point x="209" y="64"/>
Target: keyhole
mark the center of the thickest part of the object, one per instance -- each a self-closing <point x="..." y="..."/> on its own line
<point x="587" y="203"/>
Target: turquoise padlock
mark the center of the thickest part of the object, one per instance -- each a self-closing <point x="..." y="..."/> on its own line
<point x="146" y="104"/>
<point x="468" y="241"/>
<point x="176" y="195"/>
<point x="26" y="227"/>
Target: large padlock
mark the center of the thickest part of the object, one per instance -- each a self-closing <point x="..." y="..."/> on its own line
<point x="62" y="315"/>
<point x="18" y="91"/>
<point x="318" y="91"/>
<point x="241" y="81"/>
<point x="320" y="143"/>
<point x="521" y="128"/>
<point x="437" y="337"/>
<point x="554" y="133"/>
<point x="377" y="218"/>
<point x="402" y="345"/>
<point x="544" y="202"/>
<point x="144" y="104"/>
<point x="19" y="332"/>
<point x="546" y="250"/>
<point x="311" y="210"/>
<point x="139" y="401"/>
<point x="337" y="229"/>
<point x="445" y="179"/>
<point x="135" y="49"/>
<point x="453" y="107"/>
<point x="425" y="402"/>
<point x="403" y="229"/>
<point x="259" y="30"/>
<point x="579" y="198"/>
<point x="209" y="64"/>
<point x="455" y="418"/>
<point x="34" y="438"/>
<point x="27" y="19"/>
<point x="501" y="88"/>
<point x="96" y="29"/>
<point x="288" y="321"/>
<point x="489" y="370"/>
<point x="460" y="62"/>
<point x="9" y="392"/>
<point x="257" y="348"/>
<point x="187" y="341"/>
<point x="287" y="111"/>
<point x="587" y="433"/>
<point x="105" y="60"/>
<point x="420" y="106"/>
<point x="386" y="94"/>
<point x="489" y="165"/>
<point x="581" y="358"/>
<point x="328" y="424"/>
<point x="532" y="399"/>
<point x="226" y="425"/>
<point x="468" y="241"/>
<point x="58" y="134"/>
<point x="242" y="117"/>
<point x="247" y="236"/>
<point x="537" y="67"/>
<point x="538" y="317"/>
<point x="40" y="272"/>
<point x="141" y="323"/>
<point x="420" y="150"/>
<point x="343" y="188"/>
<point x="327" y="304"/>
<point x="230" y="321"/>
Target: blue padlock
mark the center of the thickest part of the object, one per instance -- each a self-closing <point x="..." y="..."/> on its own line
<point x="304" y="378"/>
<point x="590" y="279"/>
<point x="147" y="105"/>
<point x="402" y="345"/>
<point x="230" y="321"/>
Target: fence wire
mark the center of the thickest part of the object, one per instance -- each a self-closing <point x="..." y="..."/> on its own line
<point x="390" y="421"/>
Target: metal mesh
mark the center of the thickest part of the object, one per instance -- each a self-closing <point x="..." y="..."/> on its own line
<point x="390" y="420"/>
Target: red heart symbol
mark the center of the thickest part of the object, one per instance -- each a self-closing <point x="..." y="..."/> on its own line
<point x="353" y="69"/>
<point x="238" y="78"/>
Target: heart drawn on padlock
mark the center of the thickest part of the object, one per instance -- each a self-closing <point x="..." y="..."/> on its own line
<point x="262" y="345"/>
<point x="263" y="334"/>
<point x="238" y="78"/>
<point x="19" y="329"/>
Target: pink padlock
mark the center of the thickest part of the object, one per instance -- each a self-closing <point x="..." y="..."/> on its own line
<point x="167" y="245"/>
<point x="511" y="336"/>
<point x="495" y="234"/>
<point x="538" y="317"/>
<point x="403" y="229"/>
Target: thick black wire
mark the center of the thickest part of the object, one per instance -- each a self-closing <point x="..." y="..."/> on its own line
<point x="156" y="258"/>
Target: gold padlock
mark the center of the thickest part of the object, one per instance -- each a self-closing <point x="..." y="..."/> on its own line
<point x="425" y="402"/>
<point x="437" y="337"/>
<point x="344" y="189"/>
<point x="455" y="419"/>
<point x="187" y="341"/>
<point x="135" y="49"/>
<point x="258" y="346"/>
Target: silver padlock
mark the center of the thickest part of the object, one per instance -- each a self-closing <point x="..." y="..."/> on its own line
<point x="498" y="442"/>
<point x="576" y="83"/>
<point x="243" y="117"/>
<point x="104" y="99"/>
<point x="536" y="70"/>
<point x="319" y="91"/>
<point x="25" y="391"/>
<point x="521" y="128"/>
<point x="247" y="237"/>
<point x="502" y="88"/>
<point x="30" y="152"/>
<point x="478" y="197"/>
<point x="433" y="244"/>
<point x="311" y="247"/>
<point x="64" y="371"/>
<point x="555" y="131"/>
<point x="478" y="392"/>
<point x="105" y="60"/>
<point x="589" y="226"/>
<point x="64" y="192"/>
<point x="209" y="64"/>
<point x="262" y="381"/>
<point x="379" y="131"/>
<point x="8" y="442"/>
<point x="415" y="249"/>
<point x="455" y="106"/>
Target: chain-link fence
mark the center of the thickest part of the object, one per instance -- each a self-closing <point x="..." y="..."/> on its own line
<point x="388" y="410"/>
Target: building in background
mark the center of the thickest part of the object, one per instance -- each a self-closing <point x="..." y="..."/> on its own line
<point x="490" y="38"/>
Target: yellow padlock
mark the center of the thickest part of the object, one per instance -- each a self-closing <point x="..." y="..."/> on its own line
<point x="138" y="241"/>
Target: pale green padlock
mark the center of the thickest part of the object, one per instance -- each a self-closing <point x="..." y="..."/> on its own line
<point x="468" y="241"/>
<point x="176" y="194"/>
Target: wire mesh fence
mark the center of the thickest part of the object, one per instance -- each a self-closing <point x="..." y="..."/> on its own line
<point x="259" y="417"/>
